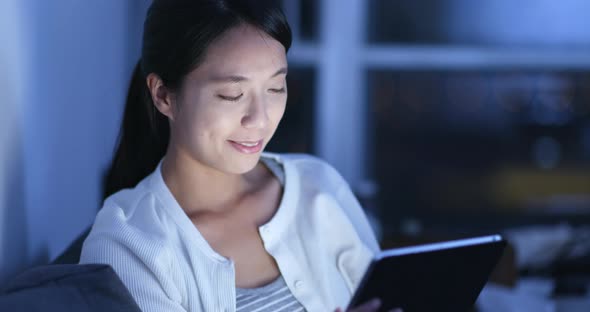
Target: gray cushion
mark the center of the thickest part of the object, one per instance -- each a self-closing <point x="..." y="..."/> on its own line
<point x="69" y="287"/>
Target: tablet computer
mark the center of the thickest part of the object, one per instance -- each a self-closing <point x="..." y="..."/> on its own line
<point x="445" y="276"/>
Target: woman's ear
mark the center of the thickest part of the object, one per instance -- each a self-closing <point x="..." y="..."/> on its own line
<point x="162" y="97"/>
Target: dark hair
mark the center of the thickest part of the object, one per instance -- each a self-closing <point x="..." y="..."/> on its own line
<point x="176" y="36"/>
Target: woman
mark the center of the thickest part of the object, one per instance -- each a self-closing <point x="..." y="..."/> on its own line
<point x="200" y="218"/>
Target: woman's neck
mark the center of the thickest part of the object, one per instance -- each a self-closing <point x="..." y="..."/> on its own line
<point x="199" y="188"/>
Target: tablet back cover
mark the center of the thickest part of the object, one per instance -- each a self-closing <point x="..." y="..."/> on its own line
<point x="441" y="280"/>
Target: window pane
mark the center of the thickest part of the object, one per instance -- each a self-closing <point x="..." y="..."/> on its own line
<point x="477" y="147"/>
<point x="295" y="132"/>
<point x="303" y="18"/>
<point x="309" y="19"/>
<point x="564" y="23"/>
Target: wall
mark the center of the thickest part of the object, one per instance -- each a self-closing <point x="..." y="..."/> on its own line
<point x="69" y="65"/>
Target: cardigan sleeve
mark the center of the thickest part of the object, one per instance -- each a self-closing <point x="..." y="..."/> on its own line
<point x="357" y="216"/>
<point x="351" y="206"/>
<point x="141" y="268"/>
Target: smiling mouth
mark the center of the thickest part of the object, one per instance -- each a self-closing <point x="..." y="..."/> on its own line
<point x="247" y="147"/>
<point x="248" y="144"/>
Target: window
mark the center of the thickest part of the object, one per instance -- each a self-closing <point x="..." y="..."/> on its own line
<point x="450" y="113"/>
<point x="295" y="133"/>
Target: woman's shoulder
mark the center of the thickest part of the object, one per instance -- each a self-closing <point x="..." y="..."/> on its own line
<point x="132" y="210"/>
<point x="310" y="169"/>
<point x="302" y="162"/>
<point x="128" y="235"/>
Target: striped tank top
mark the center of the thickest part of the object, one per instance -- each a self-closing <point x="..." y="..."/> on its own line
<point x="276" y="296"/>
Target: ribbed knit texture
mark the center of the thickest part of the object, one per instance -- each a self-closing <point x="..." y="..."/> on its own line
<point x="319" y="237"/>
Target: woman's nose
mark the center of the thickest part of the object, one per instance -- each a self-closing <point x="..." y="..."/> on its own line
<point x="256" y="116"/>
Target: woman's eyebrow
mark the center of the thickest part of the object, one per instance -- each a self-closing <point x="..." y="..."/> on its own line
<point x="282" y="71"/>
<point x="238" y="78"/>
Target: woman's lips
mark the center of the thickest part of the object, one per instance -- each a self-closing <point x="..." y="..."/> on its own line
<point x="247" y="147"/>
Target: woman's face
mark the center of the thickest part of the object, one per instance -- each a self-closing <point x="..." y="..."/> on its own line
<point x="230" y="106"/>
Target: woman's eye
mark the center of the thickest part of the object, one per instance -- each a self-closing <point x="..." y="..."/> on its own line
<point x="230" y="98"/>
<point x="281" y="90"/>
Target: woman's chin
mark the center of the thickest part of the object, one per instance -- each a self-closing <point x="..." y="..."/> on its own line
<point x="244" y="164"/>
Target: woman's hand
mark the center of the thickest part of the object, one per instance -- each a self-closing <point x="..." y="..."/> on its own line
<point x="371" y="306"/>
